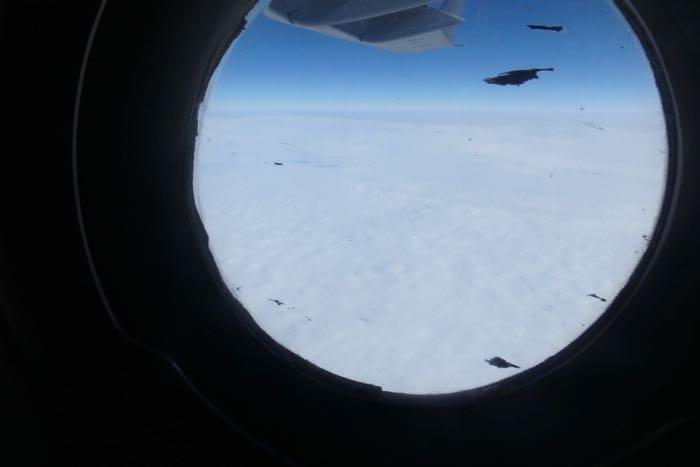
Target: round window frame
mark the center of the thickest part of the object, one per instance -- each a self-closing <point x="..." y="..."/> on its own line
<point x="150" y="257"/>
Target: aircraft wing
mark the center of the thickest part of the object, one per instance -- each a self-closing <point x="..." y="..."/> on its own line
<point x="398" y="25"/>
<point x="328" y="12"/>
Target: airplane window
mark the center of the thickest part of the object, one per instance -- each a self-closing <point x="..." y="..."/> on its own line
<point x="430" y="196"/>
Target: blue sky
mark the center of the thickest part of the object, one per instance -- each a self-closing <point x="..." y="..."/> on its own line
<point x="597" y="59"/>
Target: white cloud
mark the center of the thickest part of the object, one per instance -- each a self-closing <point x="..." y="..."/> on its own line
<point x="407" y="251"/>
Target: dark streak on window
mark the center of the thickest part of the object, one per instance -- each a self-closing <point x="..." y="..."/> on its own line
<point x="516" y="77"/>
<point x="500" y="363"/>
<point x="545" y="28"/>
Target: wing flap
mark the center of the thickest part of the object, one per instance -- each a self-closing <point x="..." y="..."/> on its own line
<point x="401" y="25"/>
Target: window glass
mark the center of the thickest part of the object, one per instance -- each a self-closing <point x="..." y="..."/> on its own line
<point x="431" y="196"/>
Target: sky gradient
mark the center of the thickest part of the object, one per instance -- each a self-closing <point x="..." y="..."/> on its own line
<point x="598" y="63"/>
